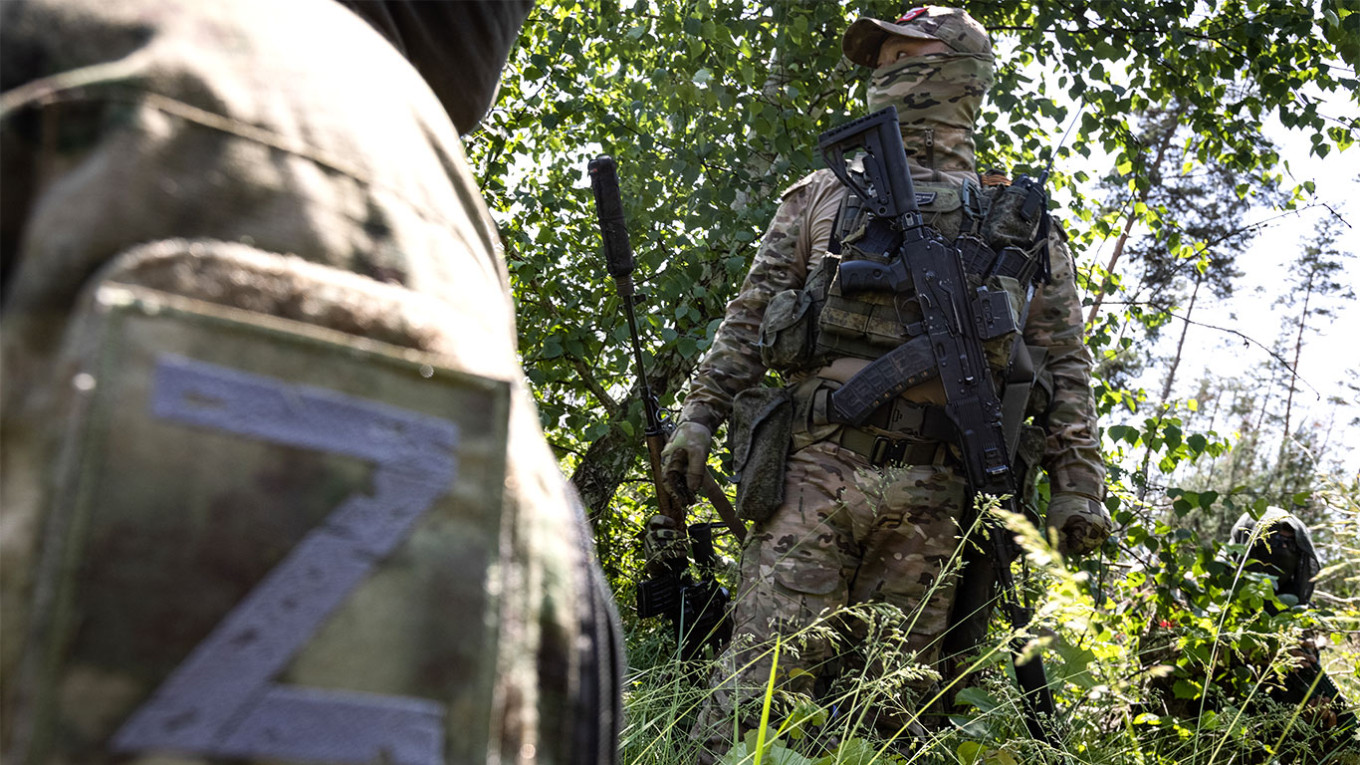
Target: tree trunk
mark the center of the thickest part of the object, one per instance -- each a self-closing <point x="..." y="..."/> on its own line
<point x="1180" y="344"/>
<point x="1132" y="218"/>
<point x="1294" y="371"/>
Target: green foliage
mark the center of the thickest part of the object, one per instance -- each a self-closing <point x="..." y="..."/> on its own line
<point x="1170" y="663"/>
<point x="711" y="107"/>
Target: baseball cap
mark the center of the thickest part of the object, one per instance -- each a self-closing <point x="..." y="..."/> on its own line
<point x="951" y="26"/>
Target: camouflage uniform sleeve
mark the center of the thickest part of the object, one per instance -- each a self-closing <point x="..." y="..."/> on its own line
<point x="781" y="263"/>
<point x="1072" y="448"/>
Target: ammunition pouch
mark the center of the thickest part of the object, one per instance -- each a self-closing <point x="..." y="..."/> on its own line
<point x="762" y="429"/>
<point x="866" y="325"/>
<point x="942" y="205"/>
<point x="786" y="331"/>
<point x="1010" y="221"/>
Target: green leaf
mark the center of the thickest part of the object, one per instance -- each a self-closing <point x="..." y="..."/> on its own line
<point x="852" y="751"/>
<point x="977" y="697"/>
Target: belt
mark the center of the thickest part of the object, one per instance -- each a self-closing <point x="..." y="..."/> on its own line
<point x="881" y="450"/>
<point x="918" y="434"/>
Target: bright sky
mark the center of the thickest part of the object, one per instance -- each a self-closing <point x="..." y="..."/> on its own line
<point x="1329" y="354"/>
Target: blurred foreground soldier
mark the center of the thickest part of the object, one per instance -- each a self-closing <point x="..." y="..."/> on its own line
<point x="273" y="486"/>
<point x="846" y="514"/>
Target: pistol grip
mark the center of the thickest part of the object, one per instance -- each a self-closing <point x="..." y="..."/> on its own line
<point x="859" y="275"/>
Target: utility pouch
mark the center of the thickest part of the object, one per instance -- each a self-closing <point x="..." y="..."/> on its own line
<point x="1000" y="324"/>
<point x="762" y="427"/>
<point x="941" y="206"/>
<point x="786" y="331"/>
<point x="1013" y="217"/>
<point x="866" y="325"/>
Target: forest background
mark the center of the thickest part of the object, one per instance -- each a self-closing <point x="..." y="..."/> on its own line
<point x="1184" y="117"/>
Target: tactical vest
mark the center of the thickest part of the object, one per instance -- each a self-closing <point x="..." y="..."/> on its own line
<point x="1004" y="246"/>
<point x="805" y="329"/>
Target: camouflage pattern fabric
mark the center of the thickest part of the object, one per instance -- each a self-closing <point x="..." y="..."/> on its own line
<point x="1250" y="678"/>
<point x="1279" y="524"/>
<point x="951" y="26"/>
<point x="848" y="533"/>
<point x="1076" y="524"/>
<point x="795" y="243"/>
<point x="938" y="96"/>
<point x="270" y="190"/>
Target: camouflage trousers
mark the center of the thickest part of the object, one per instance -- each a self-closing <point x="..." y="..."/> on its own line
<point x="846" y="534"/>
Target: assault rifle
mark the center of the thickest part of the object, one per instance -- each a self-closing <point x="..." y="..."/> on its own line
<point x="696" y="607"/>
<point x="913" y="259"/>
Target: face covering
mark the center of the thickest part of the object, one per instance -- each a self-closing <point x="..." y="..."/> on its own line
<point x="937" y="99"/>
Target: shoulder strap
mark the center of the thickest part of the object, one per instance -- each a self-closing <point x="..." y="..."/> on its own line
<point x="847" y="217"/>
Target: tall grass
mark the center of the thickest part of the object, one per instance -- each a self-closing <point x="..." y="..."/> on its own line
<point x="1115" y="675"/>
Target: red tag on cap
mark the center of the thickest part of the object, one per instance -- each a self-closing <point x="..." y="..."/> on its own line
<point x="911" y="14"/>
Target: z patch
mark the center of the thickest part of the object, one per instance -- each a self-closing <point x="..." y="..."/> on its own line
<point x="273" y="543"/>
<point x="219" y="701"/>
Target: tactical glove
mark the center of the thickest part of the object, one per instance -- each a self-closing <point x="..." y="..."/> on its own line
<point x="685" y="459"/>
<point x="662" y="544"/>
<point x="1081" y="523"/>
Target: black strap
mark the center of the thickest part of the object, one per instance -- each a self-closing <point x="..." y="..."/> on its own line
<point x="598" y="701"/>
<point x="846" y="217"/>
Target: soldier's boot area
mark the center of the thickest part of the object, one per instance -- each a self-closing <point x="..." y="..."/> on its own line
<point x="846" y="534"/>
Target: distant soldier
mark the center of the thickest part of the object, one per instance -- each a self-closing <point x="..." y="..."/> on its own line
<point x="1319" y="719"/>
<point x="273" y="487"/>
<point x="851" y="514"/>
<point x="1280" y="545"/>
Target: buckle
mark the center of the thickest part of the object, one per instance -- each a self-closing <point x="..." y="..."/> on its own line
<point x="886" y="450"/>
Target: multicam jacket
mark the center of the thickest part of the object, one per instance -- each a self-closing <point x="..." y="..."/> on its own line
<point x="796" y="242"/>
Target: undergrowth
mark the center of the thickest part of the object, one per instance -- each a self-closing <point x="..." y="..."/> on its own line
<point x="1166" y="651"/>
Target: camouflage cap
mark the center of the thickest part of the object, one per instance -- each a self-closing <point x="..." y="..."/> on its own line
<point x="951" y="26"/>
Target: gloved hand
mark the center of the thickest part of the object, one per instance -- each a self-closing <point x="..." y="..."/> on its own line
<point x="662" y="544"/>
<point x="685" y="459"/>
<point x="1081" y="523"/>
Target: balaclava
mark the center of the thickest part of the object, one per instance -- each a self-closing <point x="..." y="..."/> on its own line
<point x="937" y="96"/>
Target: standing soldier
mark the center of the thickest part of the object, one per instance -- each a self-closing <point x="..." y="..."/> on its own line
<point x="273" y="484"/>
<point x="871" y="513"/>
